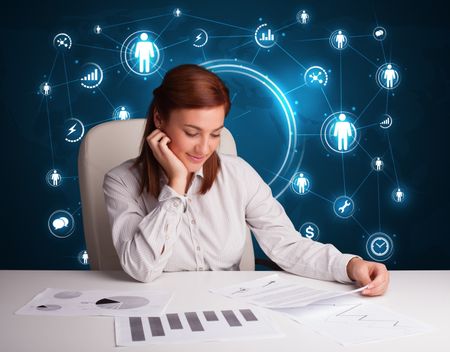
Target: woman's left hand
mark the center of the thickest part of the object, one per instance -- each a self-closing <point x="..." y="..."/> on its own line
<point x="369" y="273"/>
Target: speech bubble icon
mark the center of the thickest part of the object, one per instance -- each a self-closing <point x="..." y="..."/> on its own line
<point x="60" y="223"/>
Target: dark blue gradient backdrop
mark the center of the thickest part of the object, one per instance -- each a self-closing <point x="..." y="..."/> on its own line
<point x="414" y="149"/>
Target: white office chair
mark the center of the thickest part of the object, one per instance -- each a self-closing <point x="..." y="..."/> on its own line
<point x="104" y="147"/>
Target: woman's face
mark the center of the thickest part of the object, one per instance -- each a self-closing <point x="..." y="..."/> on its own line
<point x="194" y="134"/>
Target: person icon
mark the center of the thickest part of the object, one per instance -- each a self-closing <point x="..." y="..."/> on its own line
<point x="399" y="195"/>
<point x="46" y="88"/>
<point x="304" y="17"/>
<point x="341" y="39"/>
<point x="85" y="257"/>
<point x="177" y="12"/>
<point x="302" y="183"/>
<point x="97" y="29"/>
<point x="56" y="178"/>
<point x="390" y="75"/>
<point x="123" y="114"/>
<point x="144" y="51"/>
<point x="378" y="164"/>
<point x="342" y="130"/>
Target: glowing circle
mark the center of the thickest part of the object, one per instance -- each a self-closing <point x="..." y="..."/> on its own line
<point x="388" y="76"/>
<point x="264" y="36"/>
<point x="61" y="224"/>
<point x="291" y="155"/>
<point x="338" y="132"/>
<point x="140" y="53"/>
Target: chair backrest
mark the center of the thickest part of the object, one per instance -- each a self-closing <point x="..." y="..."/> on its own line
<point x="104" y="147"/>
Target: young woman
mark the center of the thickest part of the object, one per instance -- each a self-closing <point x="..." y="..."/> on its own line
<point x="182" y="206"/>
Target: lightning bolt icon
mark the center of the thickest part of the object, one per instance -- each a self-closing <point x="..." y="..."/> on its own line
<point x="71" y="130"/>
<point x="198" y="37"/>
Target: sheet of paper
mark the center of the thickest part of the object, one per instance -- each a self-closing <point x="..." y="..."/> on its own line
<point x="198" y="326"/>
<point x="352" y="320"/>
<point x="55" y="301"/>
<point x="274" y="292"/>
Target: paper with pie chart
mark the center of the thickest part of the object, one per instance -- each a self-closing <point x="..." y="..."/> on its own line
<point x="64" y="302"/>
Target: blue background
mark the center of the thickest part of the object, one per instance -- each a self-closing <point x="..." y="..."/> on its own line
<point x="418" y="41"/>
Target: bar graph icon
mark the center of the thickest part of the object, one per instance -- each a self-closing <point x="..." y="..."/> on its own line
<point x="264" y="36"/>
<point x="92" y="76"/>
<point x="386" y="122"/>
<point x="267" y="36"/>
<point x="194" y="326"/>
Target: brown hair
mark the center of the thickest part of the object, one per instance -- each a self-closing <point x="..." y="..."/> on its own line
<point x="183" y="87"/>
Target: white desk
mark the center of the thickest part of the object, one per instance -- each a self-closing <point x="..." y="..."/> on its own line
<point x="424" y="295"/>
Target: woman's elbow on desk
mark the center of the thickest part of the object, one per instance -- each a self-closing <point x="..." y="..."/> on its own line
<point x="139" y="270"/>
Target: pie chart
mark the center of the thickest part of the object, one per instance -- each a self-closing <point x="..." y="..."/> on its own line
<point x="48" y="307"/>
<point x="122" y="302"/>
<point x="67" y="294"/>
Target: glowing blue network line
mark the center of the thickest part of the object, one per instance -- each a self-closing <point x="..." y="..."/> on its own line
<point x="67" y="85"/>
<point x="230" y="66"/>
<point x="220" y="66"/>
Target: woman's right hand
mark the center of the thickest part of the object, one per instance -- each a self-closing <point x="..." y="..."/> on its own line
<point x="173" y="167"/>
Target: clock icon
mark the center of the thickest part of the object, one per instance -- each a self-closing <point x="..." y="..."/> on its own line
<point x="379" y="246"/>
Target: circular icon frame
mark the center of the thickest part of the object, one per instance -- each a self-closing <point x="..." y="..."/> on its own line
<point x="258" y="40"/>
<point x="80" y="257"/>
<point x="71" y="129"/>
<point x="299" y="18"/>
<point x="386" y="122"/>
<point x="374" y="165"/>
<point x="399" y="199"/>
<point x="326" y="132"/>
<point x="312" y="80"/>
<point x="128" y="55"/>
<point x="49" y="178"/>
<point x="62" y="42"/>
<point x="199" y="32"/>
<point x="307" y="185"/>
<point x="339" y="207"/>
<point x="117" y="113"/>
<point x="381" y="73"/>
<point x="94" y="74"/>
<point x="70" y="224"/>
<point x="379" y="246"/>
<point x="45" y="89"/>
<point x="333" y="39"/>
<point x="376" y="33"/>
<point x="304" y="230"/>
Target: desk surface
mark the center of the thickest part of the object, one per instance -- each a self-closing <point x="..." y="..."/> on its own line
<point x="424" y="295"/>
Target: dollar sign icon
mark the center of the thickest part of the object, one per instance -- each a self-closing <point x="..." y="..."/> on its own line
<point x="309" y="232"/>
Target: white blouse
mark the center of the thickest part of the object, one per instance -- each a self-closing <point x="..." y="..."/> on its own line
<point x="207" y="232"/>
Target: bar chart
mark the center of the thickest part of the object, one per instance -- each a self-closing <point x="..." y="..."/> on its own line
<point x="93" y="76"/>
<point x="267" y="36"/>
<point x="208" y="325"/>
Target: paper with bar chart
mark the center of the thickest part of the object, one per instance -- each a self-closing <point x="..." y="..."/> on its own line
<point x="63" y="302"/>
<point x="352" y="320"/>
<point x="195" y="326"/>
<point x="274" y="292"/>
